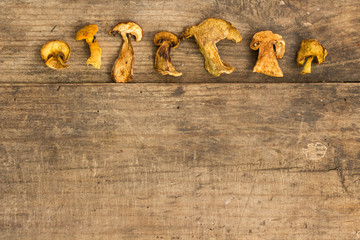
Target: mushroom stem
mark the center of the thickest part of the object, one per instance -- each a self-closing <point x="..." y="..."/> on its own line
<point x="95" y="53"/>
<point x="213" y="62"/>
<point x="123" y="63"/>
<point x="307" y="66"/>
<point x="267" y="62"/>
<point x="163" y="63"/>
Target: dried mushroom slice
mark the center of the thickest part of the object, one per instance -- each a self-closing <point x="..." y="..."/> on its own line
<point x="55" y="54"/>
<point x="87" y="33"/>
<point x="166" y="41"/>
<point x="122" y="70"/>
<point x="267" y="63"/>
<point x="207" y="34"/>
<point x="310" y="48"/>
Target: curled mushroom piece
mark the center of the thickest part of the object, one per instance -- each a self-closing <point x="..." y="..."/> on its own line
<point x="166" y="41"/>
<point x="122" y="70"/>
<point x="310" y="48"/>
<point x="88" y="33"/>
<point x="207" y="34"/>
<point x="267" y="62"/>
<point x="55" y="54"/>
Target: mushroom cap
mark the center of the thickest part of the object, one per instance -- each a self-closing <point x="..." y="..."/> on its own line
<point x="129" y="28"/>
<point x="86" y="32"/>
<point x="263" y="37"/>
<point x="55" y="54"/>
<point x="311" y="47"/>
<point x="161" y="37"/>
<point x="55" y="47"/>
<point x="212" y="30"/>
<point x="266" y="38"/>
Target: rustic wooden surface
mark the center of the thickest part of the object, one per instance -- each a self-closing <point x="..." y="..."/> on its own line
<point x="27" y="25"/>
<point x="241" y="156"/>
<point x="169" y="161"/>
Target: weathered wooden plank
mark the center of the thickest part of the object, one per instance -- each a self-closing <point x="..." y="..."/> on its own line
<point x="27" y="25"/>
<point x="168" y="161"/>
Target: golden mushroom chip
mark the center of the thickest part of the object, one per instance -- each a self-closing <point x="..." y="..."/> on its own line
<point x="122" y="70"/>
<point x="87" y="33"/>
<point x="165" y="41"/>
<point x="55" y="54"/>
<point x="310" y="48"/>
<point x="207" y="34"/>
<point x="271" y="46"/>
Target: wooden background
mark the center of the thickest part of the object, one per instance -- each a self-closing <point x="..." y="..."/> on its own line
<point x="241" y="156"/>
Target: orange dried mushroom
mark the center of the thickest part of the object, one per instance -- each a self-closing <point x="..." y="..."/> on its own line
<point x="166" y="41"/>
<point x="122" y="70"/>
<point x="88" y="33"/>
<point x="207" y="34"/>
<point x="267" y="63"/>
<point x="310" y="48"/>
<point x="55" y="54"/>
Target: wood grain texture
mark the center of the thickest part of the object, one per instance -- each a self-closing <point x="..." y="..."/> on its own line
<point x="170" y="161"/>
<point x="28" y="24"/>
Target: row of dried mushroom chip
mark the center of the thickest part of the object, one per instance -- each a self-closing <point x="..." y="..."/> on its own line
<point x="271" y="46"/>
